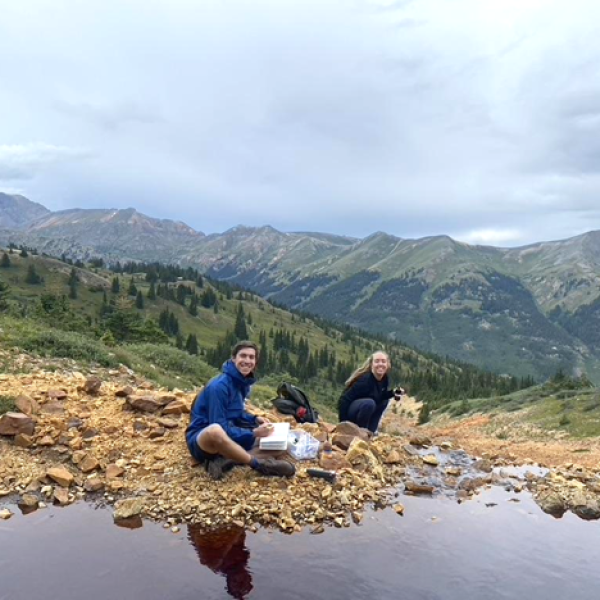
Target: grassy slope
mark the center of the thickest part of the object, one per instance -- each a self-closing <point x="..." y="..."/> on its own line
<point x="165" y="364"/>
<point x="549" y="407"/>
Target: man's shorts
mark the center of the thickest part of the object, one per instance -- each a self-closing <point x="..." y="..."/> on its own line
<point x="198" y="453"/>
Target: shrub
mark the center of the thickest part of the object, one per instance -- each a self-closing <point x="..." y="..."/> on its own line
<point x="172" y="360"/>
<point x="7" y="404"/>
<point x="63" y="344"/>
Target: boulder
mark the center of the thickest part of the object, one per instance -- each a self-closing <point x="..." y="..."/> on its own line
<point x="46" y="440"/>
<point x="168" y="423"/>
<point x="88" y="464"/>
<point x="124" y="392"/>
<point x="431" y="459"/>
<point x="342" y="440"/>
<point x="13" y="423"/>
<point x="552" y="503"/>
<point x="28" y="503"/>
<point x="333" y="461"/>
<point x="59" y="474"/>
<point x="420" y="440"/>
<point x="53" y="408"/>
<point x="177" y="407"/>
<point x="585" y="507"/>
<point x="61" y="496"/>
<point x="93" y="484"/>
<point x="113" y="471"/>
<point x="351" y="429"/>
<point x="144" y="403"/>
<point x="57" y="394"/>
<point x="23" y="441"/>
<point x="418" y="488"/>
<point x="92" y="386"/>
<point x="26" y="405"/>
<point x="89" y="432"/>
<point x="393" y="458"/>
<point x="483" y="464"/>
<point x="129" y="507"/>
<point x="360" y="456"/>
<point x="156" y="432"/>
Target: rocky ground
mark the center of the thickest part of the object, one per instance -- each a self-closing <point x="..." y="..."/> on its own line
<point x="113" y="438"/>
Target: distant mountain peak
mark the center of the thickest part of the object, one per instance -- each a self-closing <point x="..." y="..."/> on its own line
<point x="16" y="211"/>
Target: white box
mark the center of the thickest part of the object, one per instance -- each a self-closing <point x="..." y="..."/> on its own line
<point x="277" y="439"/>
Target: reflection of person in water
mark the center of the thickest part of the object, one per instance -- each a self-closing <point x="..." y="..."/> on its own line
<point x="224" y="551"/>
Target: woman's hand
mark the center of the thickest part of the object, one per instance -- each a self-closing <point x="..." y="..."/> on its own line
<point x="263" y="430"/>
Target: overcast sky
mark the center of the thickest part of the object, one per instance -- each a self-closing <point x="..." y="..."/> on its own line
<point x="479" y="119"/>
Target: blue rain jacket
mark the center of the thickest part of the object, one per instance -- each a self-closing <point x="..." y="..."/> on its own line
<point x="222" y="401"/>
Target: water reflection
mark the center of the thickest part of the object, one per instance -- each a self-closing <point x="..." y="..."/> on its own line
<point x="224" y="552"/>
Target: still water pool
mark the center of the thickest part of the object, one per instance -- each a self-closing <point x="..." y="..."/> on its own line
<point x="491" y="547"/>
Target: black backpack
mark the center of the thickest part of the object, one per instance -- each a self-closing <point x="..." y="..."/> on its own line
<point x="293" y="401"/>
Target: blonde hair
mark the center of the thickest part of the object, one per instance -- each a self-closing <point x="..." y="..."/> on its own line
<point x="366" y="367"/>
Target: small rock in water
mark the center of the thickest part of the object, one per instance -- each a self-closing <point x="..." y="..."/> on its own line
<point x="27" y="503"/>
<point x="431" y="459"/>
<point x="5" y="514"/>
<point x="399" y="508"/>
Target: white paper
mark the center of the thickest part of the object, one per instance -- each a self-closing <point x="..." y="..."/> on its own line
<point x="277" y="439"/>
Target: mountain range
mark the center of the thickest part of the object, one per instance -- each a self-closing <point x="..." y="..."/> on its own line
<point x="529" y="311"/>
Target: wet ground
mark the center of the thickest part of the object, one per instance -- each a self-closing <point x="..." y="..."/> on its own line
<point x="498" y="545"/>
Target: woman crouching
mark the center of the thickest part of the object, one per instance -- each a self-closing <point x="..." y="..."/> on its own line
<point x="367" y="393"/>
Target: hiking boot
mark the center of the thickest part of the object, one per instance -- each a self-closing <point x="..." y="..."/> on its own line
<point x="217" y="467"/>
<point x="276" y="468"/>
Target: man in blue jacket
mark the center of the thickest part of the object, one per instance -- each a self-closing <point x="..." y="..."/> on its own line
<point x="221" y="432"/>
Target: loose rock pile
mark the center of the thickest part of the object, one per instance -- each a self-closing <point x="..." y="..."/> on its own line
<point x="117" y="439"/>
<point x="113" y="438"/>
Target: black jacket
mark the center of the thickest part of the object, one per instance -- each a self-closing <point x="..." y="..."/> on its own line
<point x="366" y="386"/>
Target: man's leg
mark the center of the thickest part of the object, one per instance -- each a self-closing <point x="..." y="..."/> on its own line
<point x="213" y="440"/>
<point x="360" y="411"/>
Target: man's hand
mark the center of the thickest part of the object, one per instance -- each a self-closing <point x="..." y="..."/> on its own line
<point x="261" y="420"/>
<point x="263" y="430"/>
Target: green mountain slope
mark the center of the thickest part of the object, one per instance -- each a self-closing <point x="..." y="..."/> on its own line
<point x="173" y="325"/>
<point x="525" y="310"/>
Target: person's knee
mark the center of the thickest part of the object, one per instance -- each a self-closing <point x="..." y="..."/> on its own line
<point x="368" y="406"/>
<point x="212" y="437"/>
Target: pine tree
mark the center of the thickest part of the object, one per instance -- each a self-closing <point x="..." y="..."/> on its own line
<point x="191" y="344"/>
<point x="240" y="330"/>
<point x="181" y="294"/>
<point x="193" y="308"/>
<point x="199" y="281"/>
<point x="179" y="341"/>
<point x="23" y="253"/>
<point x="72" y="283"/>
<point x="151" y="291"/>
<point x="5" y="261"/>
<point x="32" y="277"/>
<point x="115" y="287"/>
<point x="139" y="300"/>
<point x="4" y="291"/>
<point x="132" y="290"/>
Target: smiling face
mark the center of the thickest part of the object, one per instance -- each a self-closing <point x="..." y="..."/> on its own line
<point x="380" y="364"/>
<point x="245" y="361"/>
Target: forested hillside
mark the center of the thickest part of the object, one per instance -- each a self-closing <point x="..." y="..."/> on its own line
<point x="176" y="325"/>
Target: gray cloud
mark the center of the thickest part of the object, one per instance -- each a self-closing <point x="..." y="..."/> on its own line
<point x="422" y="117"/>
<point x="25" y="161"/>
